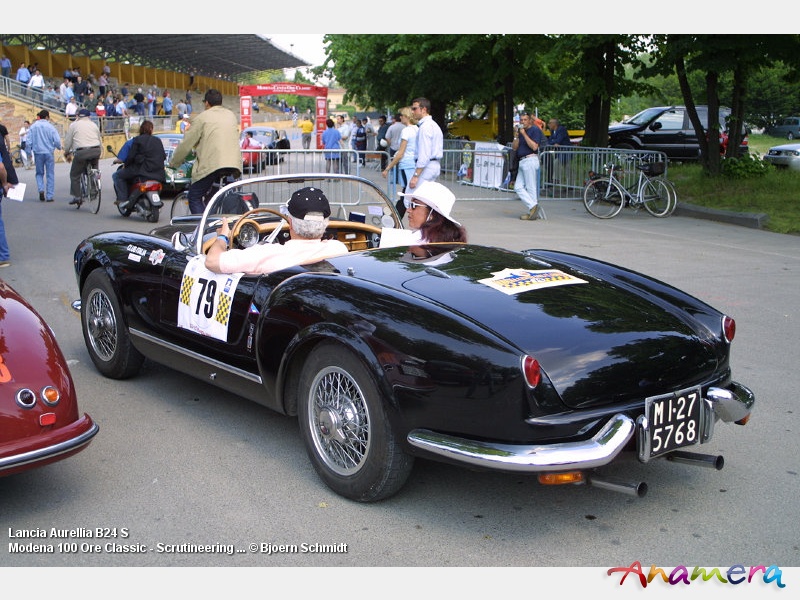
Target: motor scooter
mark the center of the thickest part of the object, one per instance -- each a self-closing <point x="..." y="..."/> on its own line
<point x="144" y="196"/>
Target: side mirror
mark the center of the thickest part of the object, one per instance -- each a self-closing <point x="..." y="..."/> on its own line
<point x="656" y="126"/>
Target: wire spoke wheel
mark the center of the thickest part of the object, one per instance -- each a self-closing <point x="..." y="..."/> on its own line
<point x="101" y="324"/>
<point x="104" y="331"/>
<point x="657" y="198"/>
<point x="93" y="191"/>
<point x="180" y="206"/>
<point x="603" y="198"/>
<point x="345" y="428"/>
<point x="340" y="421"/>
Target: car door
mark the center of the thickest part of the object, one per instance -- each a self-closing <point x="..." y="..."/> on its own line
<point x="666" y="133"/>
<point x="212" y="314"/>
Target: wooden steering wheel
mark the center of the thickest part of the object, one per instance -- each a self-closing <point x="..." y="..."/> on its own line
<point x="240" y="223"/>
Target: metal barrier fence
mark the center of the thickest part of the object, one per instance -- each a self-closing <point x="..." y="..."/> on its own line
<point x="480" y="174"/>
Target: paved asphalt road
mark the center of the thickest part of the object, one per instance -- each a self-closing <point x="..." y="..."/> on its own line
<point x="178" y="461"/>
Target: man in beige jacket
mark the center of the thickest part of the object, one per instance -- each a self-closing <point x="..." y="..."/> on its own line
<point x="214" y="138"/>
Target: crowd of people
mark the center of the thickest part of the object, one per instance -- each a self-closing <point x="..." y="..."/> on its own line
<point x="96" y="93"/>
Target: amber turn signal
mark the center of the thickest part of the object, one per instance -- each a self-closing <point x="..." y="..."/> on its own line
<point x="561" y="478"/>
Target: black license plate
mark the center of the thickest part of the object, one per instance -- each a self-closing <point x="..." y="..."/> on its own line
<point x="673" y="420"/>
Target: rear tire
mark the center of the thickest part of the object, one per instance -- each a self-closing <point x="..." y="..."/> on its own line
<point x="180" y="206"/>
<point x="344" y="426"/>
<point x="603" y="198"/>
<point x="657" y="198"/>
<point x="104" y="330"/>
<point x="153" y="216"/>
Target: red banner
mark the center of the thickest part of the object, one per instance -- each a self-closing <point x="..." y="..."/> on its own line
<point x="295" y="89"/>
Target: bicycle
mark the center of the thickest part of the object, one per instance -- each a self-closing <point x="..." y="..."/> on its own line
<point x="605" y="197"/>
<point x="22" y="157"/>
<point x="90" y="188"/>
<point x="180" y="204"/>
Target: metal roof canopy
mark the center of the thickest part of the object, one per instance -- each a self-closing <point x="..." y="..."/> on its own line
<point x="224" y="56"/>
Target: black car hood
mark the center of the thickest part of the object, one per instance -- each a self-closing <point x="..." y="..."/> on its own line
<point x="599" y="338"/>
<point x="624" y="128"/>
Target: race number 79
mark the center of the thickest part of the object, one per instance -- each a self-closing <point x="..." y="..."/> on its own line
<point x="205" y="299"/>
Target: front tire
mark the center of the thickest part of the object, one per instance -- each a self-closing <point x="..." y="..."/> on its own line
<point x="603" y="198"/>
<point x="104" y="330"/>
<point x="345" y="429"/>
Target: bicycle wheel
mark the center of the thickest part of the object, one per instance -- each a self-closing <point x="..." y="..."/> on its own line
<point x="603" y="198"/>
<point x="180" y="206"/>
<point x="673" y="195"/>
<point x="657" y="198"/>
<point x="94" y="187"/>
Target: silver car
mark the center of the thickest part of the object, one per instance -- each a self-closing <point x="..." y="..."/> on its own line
<point x="785" y="156"/>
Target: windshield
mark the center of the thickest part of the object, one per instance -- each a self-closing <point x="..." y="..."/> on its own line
<point x="644" y="117"/>
<point x="351" y="198"/>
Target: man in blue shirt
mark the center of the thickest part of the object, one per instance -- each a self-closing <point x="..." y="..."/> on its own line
<point x="5" y="65"/>
<point x="23" y="77"/>
<point x="526" y="144"/>
<point x="559" y="138"/>
<point x="43" y="139"/>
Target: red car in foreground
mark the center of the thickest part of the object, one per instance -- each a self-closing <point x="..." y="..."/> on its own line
<point x="39" y="418"/>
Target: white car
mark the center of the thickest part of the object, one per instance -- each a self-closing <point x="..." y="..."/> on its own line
<point x="785" y="156"/>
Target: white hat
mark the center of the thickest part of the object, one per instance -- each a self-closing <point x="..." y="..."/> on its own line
<point x="437" y="196"/>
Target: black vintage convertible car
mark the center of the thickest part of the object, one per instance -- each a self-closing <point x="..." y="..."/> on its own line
<point x="537" y="362"/>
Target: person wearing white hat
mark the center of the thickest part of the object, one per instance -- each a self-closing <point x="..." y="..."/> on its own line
<point x="429" y="208"/>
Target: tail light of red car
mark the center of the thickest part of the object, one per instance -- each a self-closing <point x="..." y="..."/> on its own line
<point x="27" y="398"/>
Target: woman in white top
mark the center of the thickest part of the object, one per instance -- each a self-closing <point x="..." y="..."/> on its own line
<point x="404" y="158"/>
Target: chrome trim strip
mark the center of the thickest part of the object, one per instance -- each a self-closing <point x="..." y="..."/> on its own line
<point x="49" y="452"/>
<point x="587" y="454"/>
<point x="198" y="357"/>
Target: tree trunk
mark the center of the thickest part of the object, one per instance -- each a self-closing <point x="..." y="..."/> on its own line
<point x="598" y="109"/>
<point x="735" y="125"/>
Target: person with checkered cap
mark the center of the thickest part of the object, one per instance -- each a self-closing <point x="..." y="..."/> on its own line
<point x="308" y="214"/>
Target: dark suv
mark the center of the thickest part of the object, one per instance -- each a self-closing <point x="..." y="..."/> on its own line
<point x="666" y="129"/>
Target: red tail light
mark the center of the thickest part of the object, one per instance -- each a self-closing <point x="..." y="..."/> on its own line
<point x="728" y="328"/>
<point x="531" y="370"/>
<point x="150" y="186"/>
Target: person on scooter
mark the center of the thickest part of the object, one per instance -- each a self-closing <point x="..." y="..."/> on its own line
<point x="145" y="160"/>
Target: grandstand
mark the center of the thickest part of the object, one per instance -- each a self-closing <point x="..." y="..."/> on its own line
<point x="167" y="62"/>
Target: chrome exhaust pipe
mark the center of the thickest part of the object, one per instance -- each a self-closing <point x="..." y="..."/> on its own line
<point x="631" y="488"/>
<point x="700" y="460"/>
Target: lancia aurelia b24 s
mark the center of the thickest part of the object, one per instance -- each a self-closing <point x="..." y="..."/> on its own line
<point x="529" y="362"/>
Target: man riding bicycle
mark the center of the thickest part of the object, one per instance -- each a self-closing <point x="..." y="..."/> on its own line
<point x="82" y="145"/>
<point x="214" y="138"/>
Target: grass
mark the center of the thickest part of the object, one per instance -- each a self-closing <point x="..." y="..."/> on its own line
<point x="776" y="194"/>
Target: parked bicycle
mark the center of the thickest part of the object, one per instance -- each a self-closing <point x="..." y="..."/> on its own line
<point x="605" y="196"/>
<point x="90" y="188"/>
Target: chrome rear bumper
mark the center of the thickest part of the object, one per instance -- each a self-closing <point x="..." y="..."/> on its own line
<point x="733" y="403"/>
